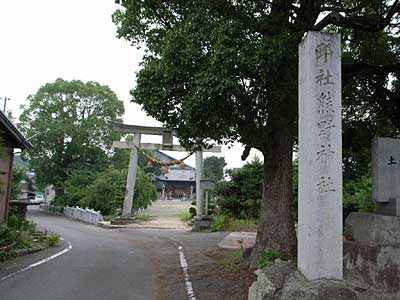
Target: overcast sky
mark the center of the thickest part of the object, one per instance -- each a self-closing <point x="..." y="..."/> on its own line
<point x="43" y="40"/>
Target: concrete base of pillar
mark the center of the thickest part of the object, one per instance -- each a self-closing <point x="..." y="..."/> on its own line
<point x="123" y="220"/>
<point x="202" y="223"/>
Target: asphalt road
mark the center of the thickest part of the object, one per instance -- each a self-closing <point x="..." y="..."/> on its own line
<point x="108" y="264"/>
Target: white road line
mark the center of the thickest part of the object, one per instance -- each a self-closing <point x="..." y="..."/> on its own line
<point x="185" y="267"/>
<point x="38" y="263"/>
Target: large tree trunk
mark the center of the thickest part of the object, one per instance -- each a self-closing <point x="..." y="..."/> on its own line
<point x="276" y="227"/>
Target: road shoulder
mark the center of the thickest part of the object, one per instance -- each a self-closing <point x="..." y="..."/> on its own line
<point x="19" y="263"/>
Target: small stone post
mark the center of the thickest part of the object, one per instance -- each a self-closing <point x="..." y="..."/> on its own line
<point x="130" y="183"/>
<point x="199" y="191"/>
<point x="320" y="242"/>
<point x="206" y="202"/>
<point x="163" y="192"/>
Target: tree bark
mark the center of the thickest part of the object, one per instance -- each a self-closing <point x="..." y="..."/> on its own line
<point x="276" y="226"/>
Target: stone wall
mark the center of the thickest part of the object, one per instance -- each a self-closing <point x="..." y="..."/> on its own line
<point x="281" y="281"/>
<point x="375" y="264"/>
<point x="373" y="256"/>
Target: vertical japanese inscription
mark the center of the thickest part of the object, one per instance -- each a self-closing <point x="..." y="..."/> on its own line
<point x="325" y="118"/>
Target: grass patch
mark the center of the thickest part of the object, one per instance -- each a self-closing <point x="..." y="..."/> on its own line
<point x="110" y="217"/>
<point x="242" y="225"/>
<point x="145" y="217"/>
<point x="225" y="223"/>
<point x="184" y="216"/>
<point x="230" y="261"/>
<point x="267" y="257"/>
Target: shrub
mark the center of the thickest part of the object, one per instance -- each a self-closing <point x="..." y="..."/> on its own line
<point x="358" y="195"/>
<point x="5" y="236"/>
<point x="56" y="209"/>
<point x="219" y="224"/>
<point x="192" y="212"/>
<point x="16" y="223"/>
<point x="61" y="200"/>
<point x="53" y="239"/>
<point x="19" y="234"/>
<point x="212" y="208"/>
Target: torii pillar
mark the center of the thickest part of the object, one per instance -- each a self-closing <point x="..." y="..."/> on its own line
<point x="131" y="180"/>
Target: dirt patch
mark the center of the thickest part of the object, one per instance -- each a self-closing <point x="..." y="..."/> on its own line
<point x="227" y="278"/>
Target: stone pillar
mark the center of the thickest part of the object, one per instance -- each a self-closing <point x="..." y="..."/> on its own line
<point x="199" y="191"/>
<point x="130" y="183"/>
<point x="320" y="244"/>
<point x="206" y="195"/>
<point x="386" y="175"/>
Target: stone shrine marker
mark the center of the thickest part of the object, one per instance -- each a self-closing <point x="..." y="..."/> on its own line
<point x="386" y="175"/>
<point x="320" y="245"/>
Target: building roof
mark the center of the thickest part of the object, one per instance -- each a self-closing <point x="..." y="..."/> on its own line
<point x="17" y="139"/>
<point x="178" y="175"/>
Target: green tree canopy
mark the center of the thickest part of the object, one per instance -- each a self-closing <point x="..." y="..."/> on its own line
<point x="228" y="70"/>
<point x="241" y="196"/>
<point x="69" y="120"/>
<point x="214" y="167"/>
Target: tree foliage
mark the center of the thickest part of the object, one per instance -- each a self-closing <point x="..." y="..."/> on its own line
<point x="107" y="191"/>
<point x="241" y="196"/>
<point x="69" y="120"/>
<point x="227" y="70"/>
<point x="76" y="187"/>
<point x="214" y="168"/>
<point x="18" y="175"/>
<point x="357" y="194"/>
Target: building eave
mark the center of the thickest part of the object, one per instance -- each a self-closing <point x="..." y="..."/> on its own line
<point x="21" y="141"/>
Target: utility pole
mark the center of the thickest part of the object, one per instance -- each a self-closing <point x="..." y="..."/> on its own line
<point x="5" y="104"/>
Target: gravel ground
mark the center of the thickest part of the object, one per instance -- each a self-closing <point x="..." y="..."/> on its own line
<point x="166" y="208"/>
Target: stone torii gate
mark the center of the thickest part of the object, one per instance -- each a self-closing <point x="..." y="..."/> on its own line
<point x="167" y="144"/>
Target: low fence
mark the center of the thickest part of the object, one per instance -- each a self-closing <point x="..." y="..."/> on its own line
<point x="83" y="214"/>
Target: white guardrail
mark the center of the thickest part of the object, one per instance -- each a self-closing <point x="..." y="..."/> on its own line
<point x="86" y="215"/>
